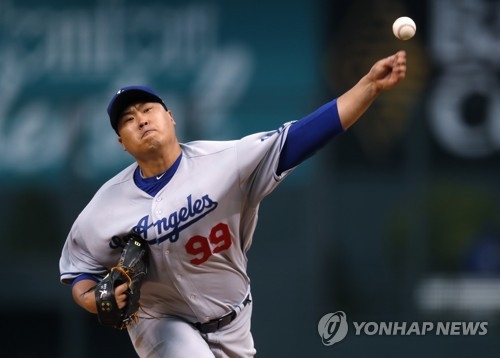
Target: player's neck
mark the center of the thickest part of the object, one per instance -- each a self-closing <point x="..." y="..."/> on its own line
<point x="158" y="166"/>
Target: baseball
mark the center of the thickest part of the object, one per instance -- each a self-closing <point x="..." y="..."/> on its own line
<point x="404" y="28"/>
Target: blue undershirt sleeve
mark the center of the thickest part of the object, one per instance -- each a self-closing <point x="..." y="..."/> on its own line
<point x="309" y="134"/>
<point x="84" y="276"/>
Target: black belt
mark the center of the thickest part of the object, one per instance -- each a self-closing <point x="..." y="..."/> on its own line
<point x="217" y="323"/>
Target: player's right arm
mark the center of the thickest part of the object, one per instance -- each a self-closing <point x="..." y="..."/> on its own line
<point x="84" y="295"/>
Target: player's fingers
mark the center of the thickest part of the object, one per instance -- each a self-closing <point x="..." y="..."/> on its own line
<point x="121" y="295"/>
<point x="400" y="56"/>
<point x="400" y="66"/>
<point x="396" y="69"/>
<point x="387" y="65"/>
<point x="121" y="289"/>
<point x="400" y="60"/>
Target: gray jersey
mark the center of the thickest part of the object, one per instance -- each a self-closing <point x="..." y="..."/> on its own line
<point x="199" y="226"/>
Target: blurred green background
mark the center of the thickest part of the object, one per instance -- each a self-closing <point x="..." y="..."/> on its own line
<point x="395" y="220"/>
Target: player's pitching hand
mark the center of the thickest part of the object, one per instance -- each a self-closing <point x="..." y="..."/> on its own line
<point x="388" y="72"/>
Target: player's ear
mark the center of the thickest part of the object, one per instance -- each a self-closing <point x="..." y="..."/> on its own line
<point x="171" y="116"/>
<point x="121" y="142"/>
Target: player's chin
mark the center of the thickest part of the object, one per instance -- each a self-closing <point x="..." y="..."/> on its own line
<point x="151" y="144"/>
<point x="148" y="133"/>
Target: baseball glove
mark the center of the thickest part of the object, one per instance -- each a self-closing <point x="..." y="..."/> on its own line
<point x="131" y="268"/>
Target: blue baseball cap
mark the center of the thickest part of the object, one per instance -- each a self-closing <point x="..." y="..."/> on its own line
<point x="127" y="96"/>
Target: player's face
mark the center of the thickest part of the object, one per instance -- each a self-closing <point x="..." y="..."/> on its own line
<point x="144" y="127"/>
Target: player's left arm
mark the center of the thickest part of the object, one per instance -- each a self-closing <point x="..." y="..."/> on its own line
<point x="309" y="134"/>
<point x="312" y="132"/>
<point x="384" y="74"/>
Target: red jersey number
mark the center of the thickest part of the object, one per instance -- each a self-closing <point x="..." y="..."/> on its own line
<point x="218" y="240"/>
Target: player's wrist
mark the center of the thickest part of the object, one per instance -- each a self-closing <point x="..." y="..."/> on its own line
<point x="370" y="85"/>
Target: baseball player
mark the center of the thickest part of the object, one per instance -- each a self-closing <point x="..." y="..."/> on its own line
<point x="196" y="206"/>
